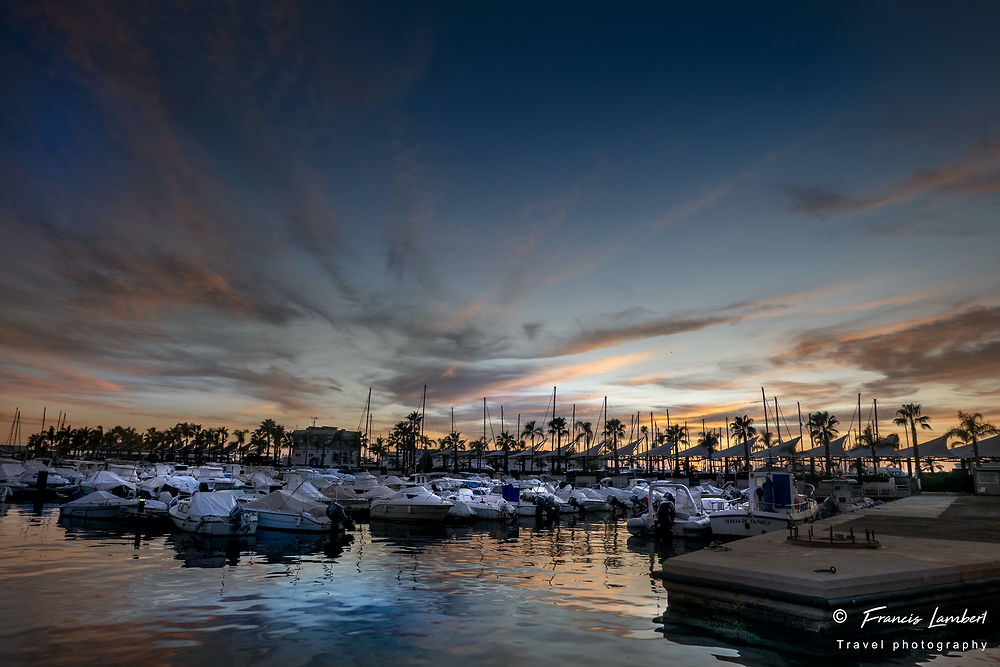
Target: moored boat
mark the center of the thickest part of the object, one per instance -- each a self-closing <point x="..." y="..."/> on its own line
<point x="213" y="513"/>
<point x="413" y="504"/>
<point x="96" y="505"/>
<point x="774" y="502"/>
<point x="282" y="510"/>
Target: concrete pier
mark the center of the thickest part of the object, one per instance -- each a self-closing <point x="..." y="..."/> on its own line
<point x="939" y="558"/>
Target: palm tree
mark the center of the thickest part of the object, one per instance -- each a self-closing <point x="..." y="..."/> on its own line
<point x="766" y="440"/>
<point x="532" y="430"/>
<point x="613" y="430"/>
<point x="971" y="429"/>
<point x="822" y="427"/>
<point x="909" y="415"/>
<point x="452" y="441"/>
<point x="413" y="422"/>
<point x="710" y="440"/>
<point x="742" y="428"/>
<point x="585" y="432"/>
<point x="506" y="442"/>
<point x="478" y="446"/>
<point x="677" y="435"/>
<point x="378" y="449"/>
<point x="239" y="438"/>
<point x="557" y="427"/>
<point x="868" y="438"/>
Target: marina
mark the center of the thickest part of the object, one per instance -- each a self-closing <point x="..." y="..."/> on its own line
<point x="209" y="584"/>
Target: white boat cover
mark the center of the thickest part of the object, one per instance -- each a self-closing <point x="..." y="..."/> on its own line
<point x="338" y="491"/>
<point x="379" y="492"/>
<point x="391" y="480"/>
<point x="153" y="484"/>
<point x="283" y="501"/>
<point x="105" y="480"/>
<point x="10" y="470"/>
<point x="183" y="483"/>
<point x="307" y="490"/>
<point x="260" y="480"/>
<point x="212" y="503"/>
<point x="97" y="499"/>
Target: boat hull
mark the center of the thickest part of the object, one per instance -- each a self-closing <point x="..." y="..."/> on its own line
<point x="292" y="522"/>
<point x="744" y="523"/>
<point x="107" y="513"/>
<point x="216" y="525"/>
<point x="407" y="512"/>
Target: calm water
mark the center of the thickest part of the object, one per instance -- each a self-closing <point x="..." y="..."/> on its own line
<point x="577" y="593"/>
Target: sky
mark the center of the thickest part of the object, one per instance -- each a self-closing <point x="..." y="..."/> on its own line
<point x="231" y="211"/>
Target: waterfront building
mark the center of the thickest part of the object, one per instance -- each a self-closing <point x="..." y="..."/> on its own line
<point x="324" y="446"/>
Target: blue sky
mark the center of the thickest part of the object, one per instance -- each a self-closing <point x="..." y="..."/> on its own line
<point x="245" y="210"/>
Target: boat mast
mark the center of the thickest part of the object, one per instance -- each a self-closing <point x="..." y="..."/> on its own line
<point x="777" y="424"/>
<point x="764" y="400"/>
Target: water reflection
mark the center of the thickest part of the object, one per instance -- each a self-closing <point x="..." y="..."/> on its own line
<point x="210" y="550"/>
<point x="280" y="547"/>
<point x="577" y="590"/>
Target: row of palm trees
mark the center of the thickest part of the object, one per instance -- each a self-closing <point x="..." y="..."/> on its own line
<point x="182" y="441"/>
<point x="405" y="436"/>
<point x="269" y="440"/>
<point x="822" y="427"/>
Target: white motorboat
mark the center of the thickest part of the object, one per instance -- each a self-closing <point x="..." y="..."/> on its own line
<point x="346" y="498"/>
<point x="105" y="480"/>
<point x="96" y="505"/>
<point x="585" y="499"/>
<point x="281" y="510"/>
<point x="774" y="502"/>
<point x="487" y="506"/>
<point x="213" y="513"/>
<point x="678" y="513"/>
<point x="361" y="482"/>
<point x="413" y="504"/>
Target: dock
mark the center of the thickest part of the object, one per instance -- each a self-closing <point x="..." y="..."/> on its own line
<point x="935" y="576"/>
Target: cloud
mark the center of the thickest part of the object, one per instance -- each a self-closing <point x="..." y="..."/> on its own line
<point x="818" y="201"/>
<point x="710" y="196"/>
<point x="974" y="176"/>
<point x="960" y="350"/>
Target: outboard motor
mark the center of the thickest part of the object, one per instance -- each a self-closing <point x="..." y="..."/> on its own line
<point x="239" y="521"/>
<point x="666" y="513"/>
<point x="547" y="507"/>
<point x="341" y="521"/>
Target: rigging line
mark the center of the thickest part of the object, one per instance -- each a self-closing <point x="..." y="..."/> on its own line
<point x="850" y="428"/>
<point x="489" y="419"/>
<point x="364" y="412"/>
<point x="781" y="416"/>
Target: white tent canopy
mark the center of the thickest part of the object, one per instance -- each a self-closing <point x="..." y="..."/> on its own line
<point x="936" y="449"/>
<point x="988" y="449"/>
